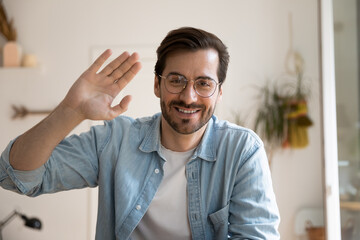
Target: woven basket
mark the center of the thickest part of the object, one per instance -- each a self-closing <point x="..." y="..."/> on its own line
<point x="318" y="233"/>
<point x="315" y="233"/>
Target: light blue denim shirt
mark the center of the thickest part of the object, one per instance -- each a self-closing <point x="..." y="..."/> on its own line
<point x="229" y="185"/>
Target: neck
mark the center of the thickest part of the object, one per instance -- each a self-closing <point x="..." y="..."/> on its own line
<point x="178" y="142"/>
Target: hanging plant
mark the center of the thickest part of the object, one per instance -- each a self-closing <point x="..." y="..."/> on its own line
<point x="282" y="116"/>
<point x="270" y="118"/>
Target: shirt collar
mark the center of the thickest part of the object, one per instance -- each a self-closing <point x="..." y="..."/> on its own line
<point x="206" y="149"/>
<point x="152" y="138"/>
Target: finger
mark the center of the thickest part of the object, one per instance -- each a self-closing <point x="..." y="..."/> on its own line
<point x="100" y="61"/>
<point x="121" y="107"/>
<point x="125" y="66"/>
<point x="128" y="76"/>
<point x="115" y="63"/>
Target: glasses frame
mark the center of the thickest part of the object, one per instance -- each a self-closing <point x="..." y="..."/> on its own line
<point x="187" y="81"/>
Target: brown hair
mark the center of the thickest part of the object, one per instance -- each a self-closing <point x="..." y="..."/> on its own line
<point x="192" y="39"/>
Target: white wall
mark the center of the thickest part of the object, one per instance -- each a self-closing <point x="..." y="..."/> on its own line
<point x="64" y="35"/>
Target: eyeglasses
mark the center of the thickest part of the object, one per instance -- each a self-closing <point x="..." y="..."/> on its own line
<point x="204" y="86"/>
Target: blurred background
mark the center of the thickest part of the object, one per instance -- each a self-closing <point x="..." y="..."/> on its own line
<point x="275" y="60"/>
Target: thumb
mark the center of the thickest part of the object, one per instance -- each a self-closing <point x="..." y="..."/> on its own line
<point x="122" y="106"/>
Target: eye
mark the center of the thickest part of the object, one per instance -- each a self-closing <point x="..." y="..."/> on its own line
<point x="175" y="79"/>
<point x="204" y="83"/>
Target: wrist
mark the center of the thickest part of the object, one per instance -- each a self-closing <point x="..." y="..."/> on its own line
<point x="68" y="117"/>
<point x="69" y="112"/>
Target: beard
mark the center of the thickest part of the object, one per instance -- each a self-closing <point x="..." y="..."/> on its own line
<point x="185" y="126"/>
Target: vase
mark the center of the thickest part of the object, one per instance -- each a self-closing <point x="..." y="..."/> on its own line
<point x="29" y="60"/>
<point x="12" y="54"/>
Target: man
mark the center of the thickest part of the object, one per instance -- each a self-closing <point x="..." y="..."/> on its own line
<point x="180" y="174"/>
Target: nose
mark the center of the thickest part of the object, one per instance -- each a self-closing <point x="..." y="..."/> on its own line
<point x="188" y="94"/>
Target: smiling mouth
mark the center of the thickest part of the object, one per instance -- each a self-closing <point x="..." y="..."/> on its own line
<point x="186" y="111"/>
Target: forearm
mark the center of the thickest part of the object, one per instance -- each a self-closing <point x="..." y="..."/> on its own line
<point x="32" y="149"/>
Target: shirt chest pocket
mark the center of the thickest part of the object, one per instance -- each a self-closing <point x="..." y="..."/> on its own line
<point x="220" y="222"/>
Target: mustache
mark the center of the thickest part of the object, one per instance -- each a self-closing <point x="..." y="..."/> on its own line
<point x="184" y="105"/>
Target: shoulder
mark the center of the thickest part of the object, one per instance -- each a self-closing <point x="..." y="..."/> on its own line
<point x="236" y="143"/>
<point x="126" y="122"/>
<point x="226" y="129"/>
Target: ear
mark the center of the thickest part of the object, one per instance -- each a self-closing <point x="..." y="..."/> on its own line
<point x="219" y="97"/>
<point x="156" y="86"/>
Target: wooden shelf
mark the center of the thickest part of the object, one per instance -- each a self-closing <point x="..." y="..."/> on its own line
<point x="354" y="206"/>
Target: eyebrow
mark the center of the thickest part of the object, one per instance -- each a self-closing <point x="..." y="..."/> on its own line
<point x="199" y="77"/>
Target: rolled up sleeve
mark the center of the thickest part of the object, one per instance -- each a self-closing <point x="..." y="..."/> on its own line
<point x="73" y="164"/>
<point x="23" y="182"/>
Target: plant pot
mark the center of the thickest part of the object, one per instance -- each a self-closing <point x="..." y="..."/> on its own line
<point x="315" y="233"/>
<point x="12" y="54"/>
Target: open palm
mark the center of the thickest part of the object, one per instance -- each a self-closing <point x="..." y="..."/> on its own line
<point x="92" y="95"/>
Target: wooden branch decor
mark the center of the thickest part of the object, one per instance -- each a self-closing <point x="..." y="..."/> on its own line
<point x="22" y="112"/>
<point x="7" y="29"/>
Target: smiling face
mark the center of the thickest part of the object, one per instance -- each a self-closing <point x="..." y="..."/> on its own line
<point x="186" y="112"/>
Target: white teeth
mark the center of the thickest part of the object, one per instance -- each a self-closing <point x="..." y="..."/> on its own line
<point x="186" y="111"/>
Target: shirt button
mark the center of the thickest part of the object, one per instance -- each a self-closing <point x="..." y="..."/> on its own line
<point x="138" y="207"/>
<point x="157" y="171"/>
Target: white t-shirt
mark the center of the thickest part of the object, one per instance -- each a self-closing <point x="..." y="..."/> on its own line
<point x="167" y="216"/>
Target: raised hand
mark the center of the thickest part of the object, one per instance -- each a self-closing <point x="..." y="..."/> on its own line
<point x="92" y="95"/>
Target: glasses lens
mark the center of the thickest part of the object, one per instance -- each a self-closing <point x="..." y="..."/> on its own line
<point x="205" y="87"/>
<point x="175" y="83"/>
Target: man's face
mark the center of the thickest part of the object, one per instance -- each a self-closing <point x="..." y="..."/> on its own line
<point x="186" y="112"/>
